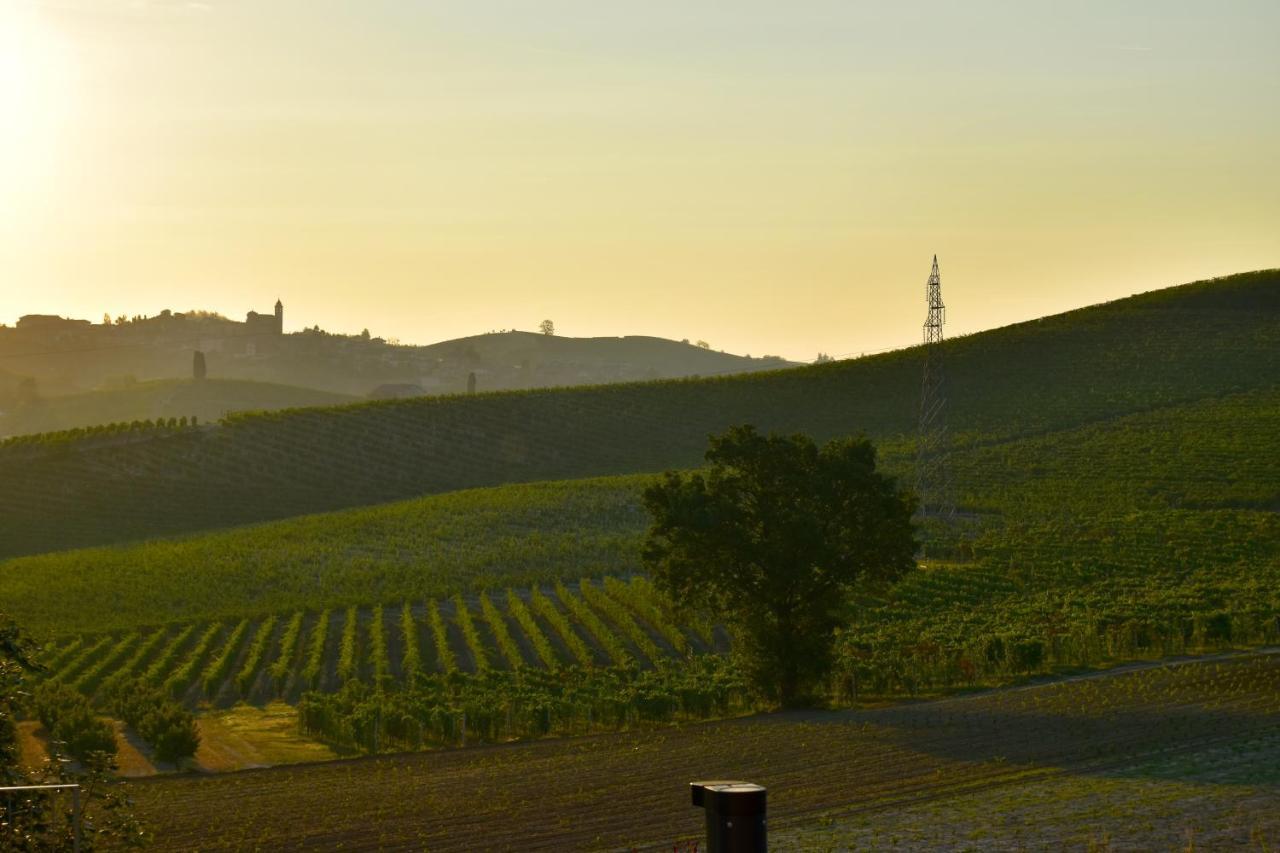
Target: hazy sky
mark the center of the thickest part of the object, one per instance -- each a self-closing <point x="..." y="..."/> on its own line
<point x="773" y="177"/>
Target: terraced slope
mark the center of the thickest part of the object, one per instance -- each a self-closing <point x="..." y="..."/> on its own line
<point x="1158" y="349"/>
<point x="1095" y="739"/>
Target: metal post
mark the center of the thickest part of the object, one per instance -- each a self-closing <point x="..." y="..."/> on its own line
<point x="75" y="810"/>
<point x="736" y="820"/>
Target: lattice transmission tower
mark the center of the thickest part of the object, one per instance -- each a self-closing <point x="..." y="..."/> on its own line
<point x="933" y="471"/>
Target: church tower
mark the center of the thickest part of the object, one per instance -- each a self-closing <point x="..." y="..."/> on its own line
<point x="279" y="317"/>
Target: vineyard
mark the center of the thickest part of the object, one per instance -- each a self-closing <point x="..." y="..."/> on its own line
<point x="1134" y="520"/>
<point x="568" y="659"/>
<point x="835" y="779"/>
<point x="1057" y="373"/>
<point x="1149" y="534"/>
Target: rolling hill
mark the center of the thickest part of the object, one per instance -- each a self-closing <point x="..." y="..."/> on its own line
<point x="1162" y="348"/>
<point x="208" y="400"/>
<point x="1149" y="534"/>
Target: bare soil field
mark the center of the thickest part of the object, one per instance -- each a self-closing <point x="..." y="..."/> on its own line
<point x="244" y="737"/>
<point x="32" y="751"/>
<point x="1121" y="733"/>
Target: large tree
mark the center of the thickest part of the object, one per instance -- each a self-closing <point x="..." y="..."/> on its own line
<point x="772" y="539"/>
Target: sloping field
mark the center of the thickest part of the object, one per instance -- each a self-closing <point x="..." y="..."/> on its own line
<point x="824" y="771"/>
<point x="1185" y="495"/>
<point x="207" y="400"/>
<point x="1148" y="535"/>
<point x="591" y="624"/>
<point x="1133" y="355"/>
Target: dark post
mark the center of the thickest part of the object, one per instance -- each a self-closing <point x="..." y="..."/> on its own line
<point x="735" y="815"/>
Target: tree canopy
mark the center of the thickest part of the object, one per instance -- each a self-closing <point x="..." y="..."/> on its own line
<point x="772" y="539"/>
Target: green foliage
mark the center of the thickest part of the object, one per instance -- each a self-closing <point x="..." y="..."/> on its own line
<point x="644" y="604"/>
<point x="110" y="662"/>
<point x="542" y="606"/>
<point x="283" y="664"/>
<point x="315" y="650"/>
<point x="217" y="670"/>
<point x="603" y="635"/>
<point x="445" y="658"/>
<point x="143" y="653"/>
<point x="39" y="820"/>
<point x="180" y="679"/>
<point x="70" y="670"/>
<point x="435" y="546"/>
<point x="775" y="538"/>
<point x="347" y="650"/>
<point x="475" y="646"/>
<point x="532" y="632"/>
<point x="159" y="669"/>
<point x="501" y="634"/>
<point x="621" y="618"/>
<point x="498" y="705"/>
<point x="378" y="648"/>
<point x="74" y="729"/>
<point x="257" y="652"/>
<point x="166" y="725"/>
<point x="411" y="659"/>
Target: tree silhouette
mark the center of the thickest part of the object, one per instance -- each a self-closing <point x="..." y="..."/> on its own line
<point x="773" y="539"/>
<point x="198" y="368"/>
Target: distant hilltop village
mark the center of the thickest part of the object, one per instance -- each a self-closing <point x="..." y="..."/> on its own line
<point x="44" y="356"/>
<point x="202" y="330"/>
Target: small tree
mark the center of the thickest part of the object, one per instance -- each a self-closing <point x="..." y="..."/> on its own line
<point x="547" y="327"/>
<point x="38" y="821"/>
<point x="773" y="539"/>
<point x="199" y="370"/>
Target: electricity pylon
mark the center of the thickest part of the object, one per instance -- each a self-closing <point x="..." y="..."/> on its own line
<point x="933" y="471"/>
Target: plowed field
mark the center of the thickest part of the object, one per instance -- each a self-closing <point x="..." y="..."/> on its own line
<point x="822" y="770"/>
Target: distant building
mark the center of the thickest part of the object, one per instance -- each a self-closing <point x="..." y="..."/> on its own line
<point x="261" y="330"/>
<point x="50" y="322"/>
<point x="266" y="325"/>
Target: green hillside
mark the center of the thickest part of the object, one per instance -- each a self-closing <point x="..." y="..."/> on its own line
<point x="1136" y="354"/>
<point x="208" y="401"/>
<point x="1149" y="535"/>
<point x="1152" y="533"/>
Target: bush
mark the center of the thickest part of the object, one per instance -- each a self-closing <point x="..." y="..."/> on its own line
<point x="69" y="720"/>
<point x="160" y="721"/>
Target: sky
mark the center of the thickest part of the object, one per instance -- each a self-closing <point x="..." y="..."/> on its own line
<point x="771" y="177"/>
